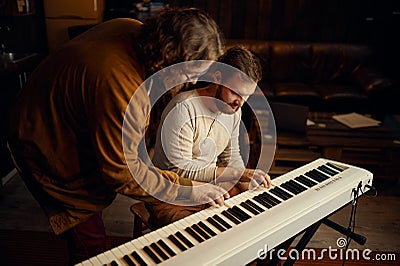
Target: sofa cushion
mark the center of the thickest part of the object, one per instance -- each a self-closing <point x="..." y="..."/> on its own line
<point x="334" y="63"/>
<point x="297" y="93"/>
<point x="342" y="98"/>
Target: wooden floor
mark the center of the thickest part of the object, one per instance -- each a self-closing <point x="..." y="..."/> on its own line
<point x="377" y="219"/>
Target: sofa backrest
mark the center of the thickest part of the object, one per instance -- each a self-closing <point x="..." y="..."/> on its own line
<point x="259" y="47"/>
<point x="334" y="63"/>
<point x="306" y="62"/>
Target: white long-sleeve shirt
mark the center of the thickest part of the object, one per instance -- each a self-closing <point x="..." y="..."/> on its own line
<point x="192" y="140"/>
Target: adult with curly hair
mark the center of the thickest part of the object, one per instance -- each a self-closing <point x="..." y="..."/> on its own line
<point x="66" y="129"/>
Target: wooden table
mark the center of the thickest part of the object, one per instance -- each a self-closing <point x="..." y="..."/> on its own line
<point x="372" y="147"/>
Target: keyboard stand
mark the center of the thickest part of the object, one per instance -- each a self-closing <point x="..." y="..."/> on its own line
<point x="305" y="239"/>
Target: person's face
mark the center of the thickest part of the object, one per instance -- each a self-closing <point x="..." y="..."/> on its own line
<point x="233" y="93"/>
<point x="189" y="73"/>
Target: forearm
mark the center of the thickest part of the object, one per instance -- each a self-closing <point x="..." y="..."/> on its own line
<point x="194" y="172"/>
<point x="229" y="173"/>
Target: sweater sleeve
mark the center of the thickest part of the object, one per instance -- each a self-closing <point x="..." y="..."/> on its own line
<point x="231" y="156"/>
<point x="176" y="135"/>
<point x="116" y="131"/>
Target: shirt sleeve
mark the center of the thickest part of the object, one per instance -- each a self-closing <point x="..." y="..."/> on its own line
<point x="116" y="130"/>
<point x="176" y="135"/>
<point x="231" y="156"/>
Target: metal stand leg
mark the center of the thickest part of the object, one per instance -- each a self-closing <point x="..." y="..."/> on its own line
<point x="356" y="237"/>
<point x="308" y="234"/>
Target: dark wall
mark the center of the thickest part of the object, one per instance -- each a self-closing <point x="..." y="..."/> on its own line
<point x="23" y="32"/>
<point x="372" y="22"/>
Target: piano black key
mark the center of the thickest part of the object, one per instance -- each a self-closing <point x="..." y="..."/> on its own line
<point x="265" y="197"/>
<point x="305" y="181"/>
<point x="327" y="170"/>
<point x="194" y="234"/>
<point x="254" y="206"/>
<point x="236" y="215"/>
<point x="184" y="240"/>
<point x="200" y="231"/>
<point x="159" y="251"/>
<point x="151" y="254"/>
<point x="221" y="221"/>
<point x="113" y="263"/>
<point x="283" y="192"/>
<point x="166" y="247"/>
<point x="290" y="188"/>
<point x="230" y="217"/>
<point x="334" y="166"/>
<point x="271" y="198"/>
<point x="297" y="185"/>
<point x="249" y="208"/>
<point x="216" y="224"/>
<point x="207" y="229"/>
<point x="280" y="193"/>
<point x="138" y="259"/>
<point x="238" y="210"/>
<point x="128" y="260"/>
<point x="309" y="174"/>
<point x="322" y="175"/>
<point x="177" y="243"/>
<point x="262" y="201"/>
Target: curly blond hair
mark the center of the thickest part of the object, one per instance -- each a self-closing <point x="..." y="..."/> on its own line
<point x="177" y="35"/>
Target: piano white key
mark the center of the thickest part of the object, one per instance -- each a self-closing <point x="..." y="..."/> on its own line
<point x="186" y="223"/>
<point x="212" y="227"/>
<point x="199" y="218"/>
<point x="128" y="247"/>
<point x="251" y="196"/>
<point x="153" y="238"/>
<point x="179" y="226"/>
<point x="144" y="243"/>
<point x="237" y="201"/>
<point x="169" y="230"/>
<point x="95" y="261"/>
<point x="137" y="246"/>
<point x="193" y="219"/>
<point x="222" y="216"/>
<point x="163" y="234"/>
<point x="125" y="250"/>
<point x="103" y="258"/>
<point x="86" y="263"/>
<point x="111" y="257"/>
<point x="119" y="255"/>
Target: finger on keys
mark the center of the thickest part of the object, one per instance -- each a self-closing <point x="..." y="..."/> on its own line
<point x="253" y="184"/>
<point x="268" y="181"/>
<point x="212" y="203"/>
<point x="219" y="201"/>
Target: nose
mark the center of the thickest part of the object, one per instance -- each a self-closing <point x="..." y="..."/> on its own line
<point x="194" y="81"/>
<point x="239" y="101"/>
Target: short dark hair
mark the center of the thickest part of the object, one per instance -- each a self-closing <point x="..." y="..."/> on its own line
<point x="180" y="34"/>
<point x="243" y="59"/>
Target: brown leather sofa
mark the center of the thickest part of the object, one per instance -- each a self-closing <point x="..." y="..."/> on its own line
<point x="324" y="76"/>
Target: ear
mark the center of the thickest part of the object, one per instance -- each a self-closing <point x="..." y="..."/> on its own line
<point x="217" y="77"/>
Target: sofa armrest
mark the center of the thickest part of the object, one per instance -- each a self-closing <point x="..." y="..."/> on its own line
<point x="370" y="80"/>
